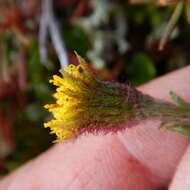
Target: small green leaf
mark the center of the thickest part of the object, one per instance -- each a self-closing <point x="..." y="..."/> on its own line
<point x="178" y="100"/>
<point x="141" y="69"/>
<point x="185" y="130"/>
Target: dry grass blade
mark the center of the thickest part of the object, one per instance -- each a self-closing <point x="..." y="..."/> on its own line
<point x="172" y="22"/>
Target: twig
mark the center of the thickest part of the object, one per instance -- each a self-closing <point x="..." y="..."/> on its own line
<point x="4" y="62"/>
<point x="21" y="66"/>
<point x="172" y="22"/>
<point x="159" y="2"/>
<point x="187" y="12"/>
<point x="56" y="36"/>
<point x="167" y="2"/>
<point x="48" y="20"/>
<point x="43" y="31"/>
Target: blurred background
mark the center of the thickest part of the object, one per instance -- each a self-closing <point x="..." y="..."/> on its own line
<point x="126" y="41"/>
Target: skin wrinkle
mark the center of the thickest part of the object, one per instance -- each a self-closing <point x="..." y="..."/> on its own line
<point x="79" y="174"/>
<point x="134" y="160"/>
<point x="76" y="180"/>
<point x="88" y="180"/>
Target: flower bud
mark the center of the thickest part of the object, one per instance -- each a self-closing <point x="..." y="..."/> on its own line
<point x="86" y="104"/>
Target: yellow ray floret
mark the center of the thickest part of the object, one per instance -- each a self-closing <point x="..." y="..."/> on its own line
<point x="71" y="93"/>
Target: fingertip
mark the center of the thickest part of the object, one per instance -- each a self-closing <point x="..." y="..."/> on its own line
<point x="182" y="175"/>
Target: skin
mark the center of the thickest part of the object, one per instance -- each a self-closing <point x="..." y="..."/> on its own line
<point x="139" y="158"/>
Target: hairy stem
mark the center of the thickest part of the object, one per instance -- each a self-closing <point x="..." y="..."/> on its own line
<point x="168" y="113"/>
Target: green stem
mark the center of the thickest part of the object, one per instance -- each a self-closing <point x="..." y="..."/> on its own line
<point x="173" y="117"/>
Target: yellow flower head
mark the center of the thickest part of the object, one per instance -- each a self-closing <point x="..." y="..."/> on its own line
<point x="85" y="104"/>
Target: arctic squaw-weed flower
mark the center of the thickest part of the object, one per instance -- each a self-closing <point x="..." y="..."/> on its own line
<point x="86" y="104"/>
<point x="83" y="103"/>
